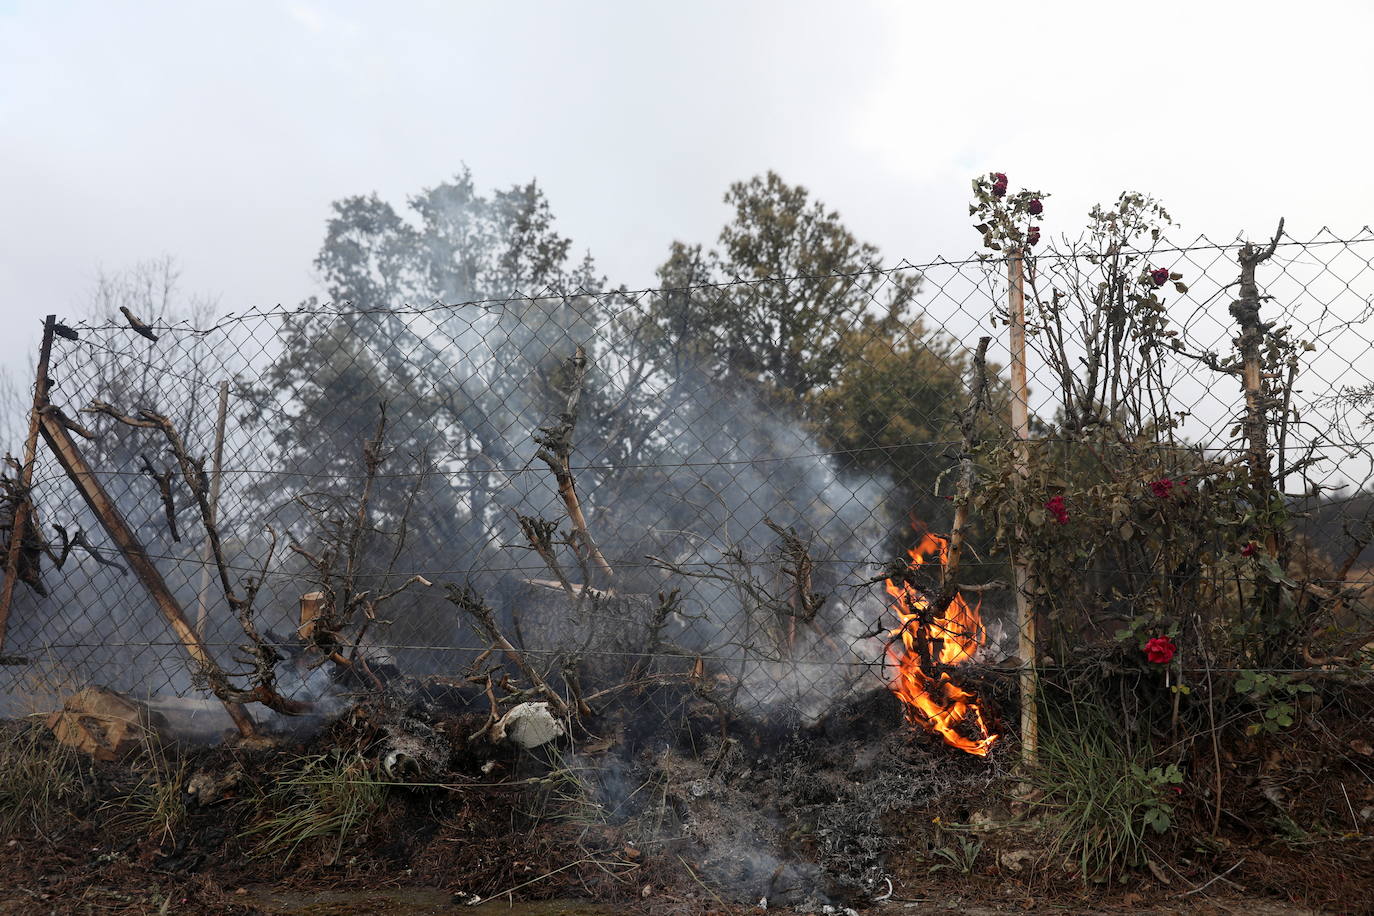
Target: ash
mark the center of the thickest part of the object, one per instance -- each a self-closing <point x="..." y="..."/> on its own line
<point x="799" y="815"/>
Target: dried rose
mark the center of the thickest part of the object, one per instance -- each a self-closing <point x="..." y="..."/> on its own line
<point x="1035" y="207"/>
<point x="1159" y="276"/>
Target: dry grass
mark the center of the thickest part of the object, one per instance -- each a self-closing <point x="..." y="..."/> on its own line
<point x="41" y="780"/>
<point x="156" y="808"/>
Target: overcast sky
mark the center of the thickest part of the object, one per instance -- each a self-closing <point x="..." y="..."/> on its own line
<point x="218" y="133"/>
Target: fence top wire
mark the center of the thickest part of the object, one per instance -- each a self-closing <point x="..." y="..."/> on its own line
<point x="1323" y="238"/>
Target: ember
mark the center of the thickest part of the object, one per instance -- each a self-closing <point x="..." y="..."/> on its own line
<point x="932" y="640"/>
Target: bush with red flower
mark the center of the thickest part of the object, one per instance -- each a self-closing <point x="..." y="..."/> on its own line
<point x="1007" y="218"/>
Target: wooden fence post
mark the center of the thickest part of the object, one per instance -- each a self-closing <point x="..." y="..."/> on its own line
<point x="23" y="510"/>
<point x="1020" y="424"/>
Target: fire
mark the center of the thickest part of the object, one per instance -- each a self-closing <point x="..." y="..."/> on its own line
<point x="929" y="646"/>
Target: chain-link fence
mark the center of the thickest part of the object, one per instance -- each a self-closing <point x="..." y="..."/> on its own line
<point x="707" y="481"/>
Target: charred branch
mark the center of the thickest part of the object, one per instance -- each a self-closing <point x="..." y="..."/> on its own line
<point x="797" y="567"/>
<point x="471" y="603"/>
<point x="56" y="412"/>
<point x="540" y="533"/>
<point x="555" y="450"/>
<point x="163" y="480"/>
<point x="140" y="326"/>
<point x="261" y="656"/>
<point x="1246" y="311"/>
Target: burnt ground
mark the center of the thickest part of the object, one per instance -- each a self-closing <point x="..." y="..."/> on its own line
<point x="691" y="810"/>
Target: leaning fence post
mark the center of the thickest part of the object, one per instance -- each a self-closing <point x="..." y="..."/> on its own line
<point x="105" y="509"/>
<point x="24" y="508"/>
<point x="216" y="467"/>
<point x="1020" y="424"/>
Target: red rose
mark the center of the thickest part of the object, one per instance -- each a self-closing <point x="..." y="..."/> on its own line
<point x="1249" y="549"/>
<point x="1163" y="489"/>
<point x="1056" y="507"/>
<point x="1160" y="650"/>
<point x="1033" y="236"/>
<point x="1159" y="276"/>
<point x="999" y="184"/>
<point x="1035" y="207"/>
<point x="999" y="177"/>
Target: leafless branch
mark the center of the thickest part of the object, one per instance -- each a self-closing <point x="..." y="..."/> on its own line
<point x="555" y="450"/>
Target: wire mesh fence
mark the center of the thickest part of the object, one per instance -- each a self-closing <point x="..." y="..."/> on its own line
<point x="709" y="481"/>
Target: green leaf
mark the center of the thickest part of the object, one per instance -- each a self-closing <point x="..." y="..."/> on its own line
<point x="1157" y="819"/>
<point x="1274" y="572"/>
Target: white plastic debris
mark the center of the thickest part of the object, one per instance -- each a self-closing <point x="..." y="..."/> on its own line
<point x="528" y="725"/>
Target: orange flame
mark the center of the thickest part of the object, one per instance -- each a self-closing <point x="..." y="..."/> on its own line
<point x="931" y="644"/>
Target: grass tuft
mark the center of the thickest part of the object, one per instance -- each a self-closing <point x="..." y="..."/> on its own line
<point x="327" y="797"/>
<point x="156" y="808"/>
<point x="41" y="780"/>
<point x="1103" y="799"/>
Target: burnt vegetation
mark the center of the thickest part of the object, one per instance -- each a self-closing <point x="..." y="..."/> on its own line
<point x="748" y="587"/>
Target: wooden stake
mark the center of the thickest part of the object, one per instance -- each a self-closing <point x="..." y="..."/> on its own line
<point x="1020" y="424"/>
<point x="64" y="448"/>
<point x="217" y="465"/>
<point x="24" y="509"/>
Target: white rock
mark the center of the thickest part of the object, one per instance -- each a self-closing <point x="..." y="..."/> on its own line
<point x="528" y="725"/>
